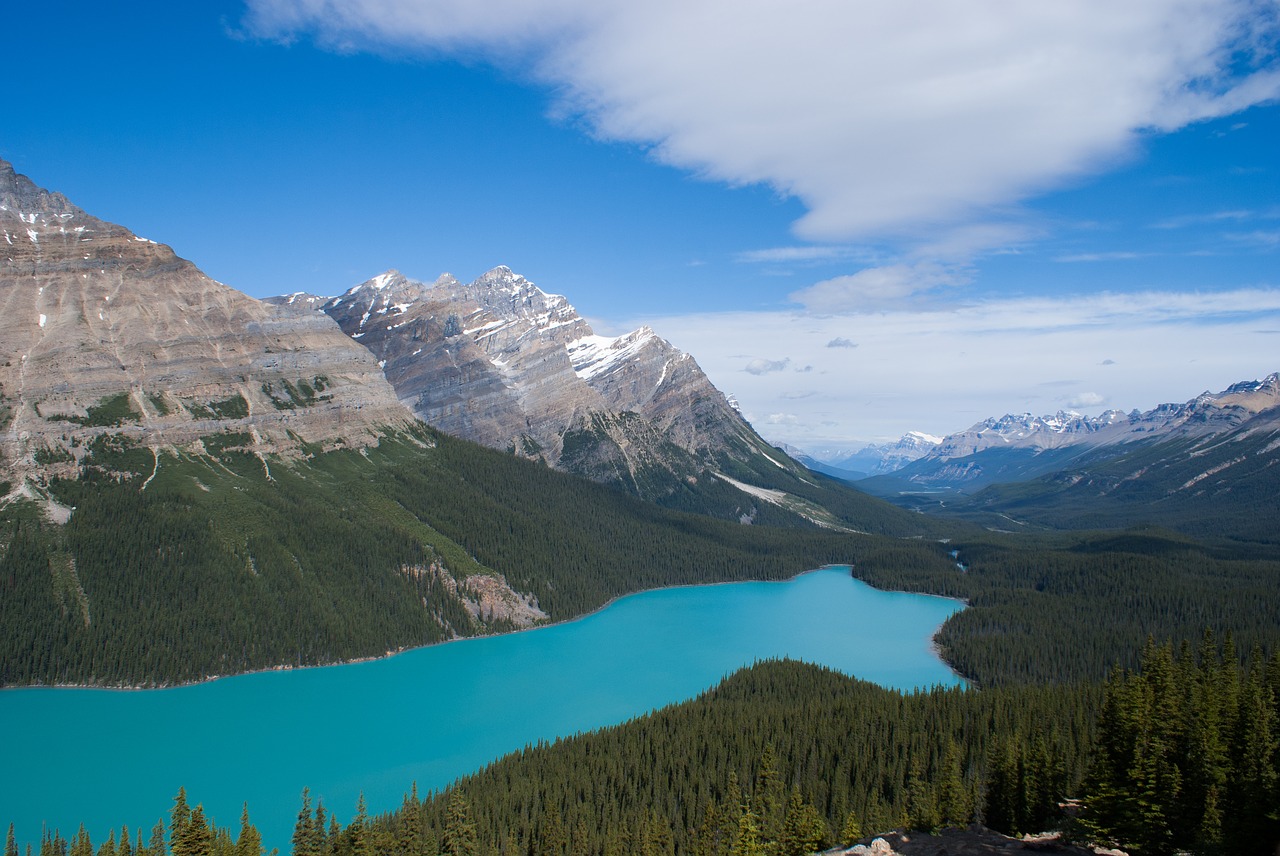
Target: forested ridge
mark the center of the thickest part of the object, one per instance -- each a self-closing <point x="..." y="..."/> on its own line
<point x="779" y="757"/>
<point x="784" y="758"/>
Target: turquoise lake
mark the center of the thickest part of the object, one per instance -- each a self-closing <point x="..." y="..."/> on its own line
<point x="111" y="757"/>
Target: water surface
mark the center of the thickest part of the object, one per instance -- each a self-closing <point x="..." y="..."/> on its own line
<point x="106" y="757"/>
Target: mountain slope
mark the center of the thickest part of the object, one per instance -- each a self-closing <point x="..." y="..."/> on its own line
<point x="1214" y="485"/>
<point x="199" y="484"/>
<point x="103" y="331"/>
<point x="1207" y="467"/>
<point x="1016" y="448"/>
<point x="500" y="362"/>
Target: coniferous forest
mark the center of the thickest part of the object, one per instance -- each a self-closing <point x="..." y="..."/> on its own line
<point x="1124" y="685"/>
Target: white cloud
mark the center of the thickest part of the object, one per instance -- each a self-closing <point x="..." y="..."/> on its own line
<point x="763" y="367"/>
<point x="883" y="118"/>
<point x="1088" y="399"/>
<point x="841" y="342"/>
<point x="815" y="253"/>
<point x="944" y="368"/>
<point x="876" y="287"/>
<point x="1115" y="256"/>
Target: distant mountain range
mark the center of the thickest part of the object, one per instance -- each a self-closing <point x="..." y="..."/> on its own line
<point x="1199" y="466"/>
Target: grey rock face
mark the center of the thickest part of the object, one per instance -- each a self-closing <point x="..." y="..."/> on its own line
<point x="500" y="362"/>
<point x="103" y="330"/>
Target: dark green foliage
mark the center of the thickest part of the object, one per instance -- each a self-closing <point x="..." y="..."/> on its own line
<point x="817" y="748"/>
<point x="190" y="834"/>
<point x="237" y="563"/>
<point x="286" y="395"/>
<point x="110" y="412"/>
<point x="226" y="562"/>
<point x="1067" y="607"/>
<point x="1225" y="487"/>
<point x="1188" y="756"/>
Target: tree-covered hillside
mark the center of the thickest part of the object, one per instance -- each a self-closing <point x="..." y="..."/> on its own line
<point x="176" y="566"/>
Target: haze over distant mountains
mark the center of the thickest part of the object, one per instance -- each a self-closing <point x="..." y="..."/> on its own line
<point x="1205" y="465"/>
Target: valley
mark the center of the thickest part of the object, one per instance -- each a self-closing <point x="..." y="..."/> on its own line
<point x="199" y="484"/>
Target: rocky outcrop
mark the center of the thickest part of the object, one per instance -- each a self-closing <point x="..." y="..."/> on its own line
<point x="105" y="331"/>
<point x="503" y="363"/>
<point x="973" y="841"/>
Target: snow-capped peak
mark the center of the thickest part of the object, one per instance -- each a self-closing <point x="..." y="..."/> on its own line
<point x="595" y="355"/>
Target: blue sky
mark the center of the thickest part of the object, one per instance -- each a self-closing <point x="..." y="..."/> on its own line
<point x="858" y="222"/>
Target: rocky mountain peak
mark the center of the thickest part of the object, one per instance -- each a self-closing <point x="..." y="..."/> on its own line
<point x="32" y="204"/>
<point x="503" y="363"/>
<point x="105" y="332"/>
<point x="509" y="296"/>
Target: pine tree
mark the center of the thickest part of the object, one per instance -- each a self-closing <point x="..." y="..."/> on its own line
<point x="953" y="798"/>
<point x="552" y="840"/>
<point x="156" y="845"/>
<point x="769" y="797"/>
<point x="803" y="829"/>
<point x="851" y="830"/>
<point x="194" y="837"/>
<point x="179" y="819"/>
<point x="10" y="843"/>
<point x="80" y="844"/>
<point x="1253" y="807"/>
<point x="747" y="842"/>
<point x="460" y="829"/>
<point x="249" y="842"/>
<point x="304" y="829"/>
<point x="358" y="830"/>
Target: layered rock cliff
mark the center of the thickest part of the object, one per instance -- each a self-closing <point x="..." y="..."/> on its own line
<point x="503" y="363"/>
<point x="105" y="331"/>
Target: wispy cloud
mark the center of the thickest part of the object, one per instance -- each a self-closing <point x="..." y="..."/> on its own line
<point x="1087" y="399"/>
<point x="1188" y="220"/>
<point x="940" y="369"/>
<point x="763" y="367"/>
<point x="1115" y="256"/>
<point x="877" y="287"/>
<point x="882" y="118"/>
<point x="1257" y="238"/>
<point x="786" y="255"/>
<point x="841" y="342"/>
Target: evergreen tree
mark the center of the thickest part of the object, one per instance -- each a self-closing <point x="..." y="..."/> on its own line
<point x="953" y="797"/>
<point x="552" y="839"/>
<point x="156" y="845"/>
<point x="304" y="829"/>
<point x="80" y="844"/>
<point x="10" y="843"/>
<point x="358" y="833"/>
<point x="803" y="829"/>
<point x="249" y="842"/>
<point x="747" y="841"/>
<point x="851" y="829"/>
<point x="460" y="829"/>
<point x="179" y="820"/>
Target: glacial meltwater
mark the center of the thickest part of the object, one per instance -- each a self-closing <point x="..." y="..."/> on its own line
<point x="109" y="757"/>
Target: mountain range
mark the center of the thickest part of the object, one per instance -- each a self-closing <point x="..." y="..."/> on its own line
<point x="502" y="363"/>
<point x="195" y="482"/>
<point x="1200" y="466"/>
